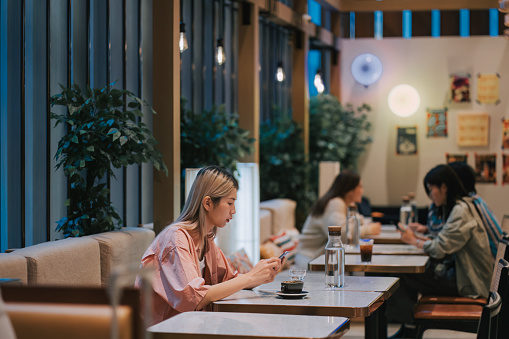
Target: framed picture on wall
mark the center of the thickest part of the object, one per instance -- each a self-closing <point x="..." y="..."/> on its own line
<point x="460" y="87"/>
<point x="488" y="89"/>
<point x="437" y="122"/>
<point x="406" y="140"/>
<point x="485" y="168"/>
<point x="473" y="129"/>
<point x="505" y="169"/>
<point x="505" y="134"/>
<point x="456" y="157"/>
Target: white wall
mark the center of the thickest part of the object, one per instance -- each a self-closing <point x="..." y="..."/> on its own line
<point x="425" y="63"/>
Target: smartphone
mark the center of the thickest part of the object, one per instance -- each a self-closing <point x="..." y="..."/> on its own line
<point x="285" y="253"/>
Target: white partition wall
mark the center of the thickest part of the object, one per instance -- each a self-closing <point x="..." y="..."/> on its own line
<point x="191" y="174"/>
<point x="328" y="170"/>
<point x="243" y="232"/>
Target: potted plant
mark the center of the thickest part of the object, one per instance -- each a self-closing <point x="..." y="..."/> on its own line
<point x="336" y="133"/>
<point x="212" y="137"/>
<point x="104" y="132"/>
<point x="284" y="170"/>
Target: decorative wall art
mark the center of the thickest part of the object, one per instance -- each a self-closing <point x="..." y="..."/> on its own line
<point x="406" y="142"/>
<point x="505" y="169"/>
<point x="366" y="69"/>
<point x="505" y="134"/>
<point x="485" y="168"/>
<point x="437" y="122"/>
<point x="473" y="129"/>
<point x="460" y="87"/>
<point x="488" y="89"/>
<point x="456" y="157"/>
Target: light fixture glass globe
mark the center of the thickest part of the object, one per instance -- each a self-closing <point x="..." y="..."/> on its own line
<point x="404" y="100"/>
<point x="366" y="69"/>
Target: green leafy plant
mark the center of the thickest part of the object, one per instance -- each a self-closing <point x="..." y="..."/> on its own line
<point x="284" y="170"/>
<point x="212" y="137"/>
<point x="104" y="132"/>
<point x="336" y="133"/>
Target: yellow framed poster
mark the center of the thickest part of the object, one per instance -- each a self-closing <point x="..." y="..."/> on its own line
<point x="473" y="129"/>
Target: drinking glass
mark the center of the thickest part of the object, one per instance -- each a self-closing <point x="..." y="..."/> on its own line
<point x="366" y="247"/>
<point x="297" y="273"/>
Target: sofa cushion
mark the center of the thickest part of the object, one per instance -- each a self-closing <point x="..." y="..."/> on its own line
<point x="265" y="225"/>
<point x="123" y="247"/>
<point x="71" y="261"/>
<point x="283" y="213"/>
<point x="240" y="261"/>
<point x="13" y="266"/>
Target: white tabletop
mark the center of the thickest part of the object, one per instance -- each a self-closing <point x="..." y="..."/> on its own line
<point x="389" y="249"/>
<point x="338" y="303"/>
<point x="378" y="264"/>
<point x="248" y="325"/>
<point x="315" y="281"/>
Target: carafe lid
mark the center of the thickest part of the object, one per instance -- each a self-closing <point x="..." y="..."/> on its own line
<point x="334" y="229"/>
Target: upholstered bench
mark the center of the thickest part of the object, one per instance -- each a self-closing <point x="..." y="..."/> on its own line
<point x="124" y="247"/>
<point x="13" y="266"/>
<point x="71" y="262"/>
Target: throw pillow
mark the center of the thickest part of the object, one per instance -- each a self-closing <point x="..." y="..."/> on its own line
<point x="240" y="261"/>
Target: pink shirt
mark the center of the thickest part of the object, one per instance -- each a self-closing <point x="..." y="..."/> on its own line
<point x="178" y="283"/>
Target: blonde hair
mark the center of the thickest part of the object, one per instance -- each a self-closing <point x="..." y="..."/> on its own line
<point x="215" y="182"/>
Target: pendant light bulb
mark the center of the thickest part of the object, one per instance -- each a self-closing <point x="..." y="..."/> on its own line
<point x="319" y="82"/>
<point x="280" y="74"/>
<point x="220" y="56"/>
<point x="182" y="39"/>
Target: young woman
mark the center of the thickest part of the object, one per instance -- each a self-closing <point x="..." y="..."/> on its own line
<point x="331" y="210"/>
<point x="460" y="257"/>
<point x="190" y="271"/>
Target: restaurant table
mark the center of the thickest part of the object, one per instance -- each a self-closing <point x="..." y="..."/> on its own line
<point x="378" y="264"/>
<point x="388" y="235"/>
<point x="388" y="249"/>
<point x="316" y="281"/>
<point x="343" y="302"/>
<point x="246" y="325"/>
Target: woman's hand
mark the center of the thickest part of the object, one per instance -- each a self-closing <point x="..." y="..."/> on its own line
<point x="265" y="271"/>
<point x="408" y="237"/>
<point x="375" y="228"/>
<point x="416" y="227"/>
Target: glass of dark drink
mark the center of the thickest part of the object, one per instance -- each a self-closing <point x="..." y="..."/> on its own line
<point x="366" y="247"/>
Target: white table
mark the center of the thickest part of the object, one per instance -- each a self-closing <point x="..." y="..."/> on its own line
<point x="248" y="325"/>
<point x="389" y="249"/>
<point x="378" y="264"/>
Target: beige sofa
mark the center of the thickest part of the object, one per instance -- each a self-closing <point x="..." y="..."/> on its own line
<point x="276" y="215"/>
<point x="85" y="261"/>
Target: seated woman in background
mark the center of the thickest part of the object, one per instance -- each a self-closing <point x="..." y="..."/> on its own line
<point x="466" y="174"/>
<point x="190" y="271"/>
<point x="331" y="210"/>
<point x="460" y="257"/>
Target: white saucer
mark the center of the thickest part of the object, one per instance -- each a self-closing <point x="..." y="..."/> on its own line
<point x="292" y="295"/>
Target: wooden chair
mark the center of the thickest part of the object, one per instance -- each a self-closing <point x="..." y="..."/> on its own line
<point x="502" y="253"/>
<point x="505" y="224"/>
<point x="488" y="325"/>
<point x="460" y="316"/>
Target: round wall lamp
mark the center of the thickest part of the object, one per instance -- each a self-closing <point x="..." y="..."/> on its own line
<point x="404" y="100"/>
<point x="366" y="69"/>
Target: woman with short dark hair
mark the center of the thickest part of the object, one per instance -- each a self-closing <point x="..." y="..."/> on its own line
<point x="460" y="258"/>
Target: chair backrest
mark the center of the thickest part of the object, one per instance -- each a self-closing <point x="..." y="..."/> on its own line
<point x="502" y="253"/>
<point x="488" y="325"/>
<point x="501" y="286"/>
<point x="505" y="223"/>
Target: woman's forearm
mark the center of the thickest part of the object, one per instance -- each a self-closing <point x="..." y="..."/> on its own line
<point x="225" y="289"/>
